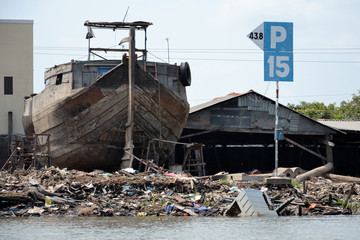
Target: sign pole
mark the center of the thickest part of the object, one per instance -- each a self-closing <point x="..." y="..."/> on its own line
<point x="276" y="129"/>
<point x="276" y="40"/>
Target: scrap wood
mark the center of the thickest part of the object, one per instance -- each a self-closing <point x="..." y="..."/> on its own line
<point x="342" y="178"/>
<point x="190" y="212"/>
<point x="12" y="154"/>
<point x="349" y="195"/>
<point x="301" y="204"/>
<point x="282" y="206"/>
<point x="125" y="173"/>
<point x="150" y="165"/>
<point x="179" y="199"/>
<point x="38" y="193"/>
<point x="15" y="197"/>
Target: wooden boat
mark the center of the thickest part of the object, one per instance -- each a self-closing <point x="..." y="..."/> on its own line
<point x="94" y="109"/>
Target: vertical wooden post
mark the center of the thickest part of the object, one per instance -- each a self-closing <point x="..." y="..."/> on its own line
<point x="48" y="150"/>
<point x="329" y="153"/>
<point x="128" y="157"/>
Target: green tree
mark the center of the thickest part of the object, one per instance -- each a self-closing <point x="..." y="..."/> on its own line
<point x="314" y="110"/>
<point x="351" y="109"/>
<point x="348" y="110"/>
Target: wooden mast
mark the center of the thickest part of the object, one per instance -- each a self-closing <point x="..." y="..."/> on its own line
<point x="127" y="159"/>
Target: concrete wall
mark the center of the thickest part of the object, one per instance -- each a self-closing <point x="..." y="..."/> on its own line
<point x="16" y="61"/>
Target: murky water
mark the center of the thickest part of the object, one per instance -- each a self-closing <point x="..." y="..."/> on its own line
<point x="324" y="227"/>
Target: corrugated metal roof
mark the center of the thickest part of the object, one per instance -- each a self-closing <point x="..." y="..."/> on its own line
<point x="269" y="105"/>
<point x="348" y="125"/>
<point x="215" y="101"/>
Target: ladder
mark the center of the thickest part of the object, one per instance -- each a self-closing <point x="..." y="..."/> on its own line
<point x="194" y="160"/>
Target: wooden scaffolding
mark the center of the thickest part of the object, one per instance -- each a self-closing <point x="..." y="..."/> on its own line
<point x="194" y="160"/>
<point x="28" y="152"/>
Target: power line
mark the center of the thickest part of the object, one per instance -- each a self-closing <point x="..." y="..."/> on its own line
<point x="204" y="49"/>
<point x="60" y="54"/>
<point x="324" y="95"/>
<point x="303" y="96"/>
<point x="49" y="50"/>
<point x="209" y="59"/>
<point x="260" y="60"/>
<point x="252" y="49"/>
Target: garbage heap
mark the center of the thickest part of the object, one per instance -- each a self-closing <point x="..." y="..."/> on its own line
<point x="59" y="192"/>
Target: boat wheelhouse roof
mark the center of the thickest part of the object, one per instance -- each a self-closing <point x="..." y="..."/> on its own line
<point x="115" y="25"/>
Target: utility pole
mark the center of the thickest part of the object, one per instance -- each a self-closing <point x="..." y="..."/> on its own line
<point x="128" y="157"/>
<point x="167" y="39"/>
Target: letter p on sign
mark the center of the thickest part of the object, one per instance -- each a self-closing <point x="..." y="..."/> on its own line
<point x="278" y="34"/>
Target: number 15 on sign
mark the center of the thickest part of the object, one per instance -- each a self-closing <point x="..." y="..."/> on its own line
<point x="278" y="66"/>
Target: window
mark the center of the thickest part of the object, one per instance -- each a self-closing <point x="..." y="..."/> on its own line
<point x="8" y="85"/>
<point x="102" y="70"/>
<point x="58" y="79"/>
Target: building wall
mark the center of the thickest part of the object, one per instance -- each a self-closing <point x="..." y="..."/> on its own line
<point x="16" y="61"/>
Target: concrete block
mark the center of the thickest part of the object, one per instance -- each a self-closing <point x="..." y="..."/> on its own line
<point x="246" y="177"/>
<point x="278" y="181"/>
<point x="286" y="172"/>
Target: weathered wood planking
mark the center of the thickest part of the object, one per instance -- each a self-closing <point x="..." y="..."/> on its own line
<point x="87" y="126"/>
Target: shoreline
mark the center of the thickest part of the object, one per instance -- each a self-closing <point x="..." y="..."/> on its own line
<point x="62" y="193"/>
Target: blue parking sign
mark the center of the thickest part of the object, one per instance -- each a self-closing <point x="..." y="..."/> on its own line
<point x="276" y="39"/>
<point x="278" y="51"/>
<point x="278" y="36"/>
<point x="278" y="66"/>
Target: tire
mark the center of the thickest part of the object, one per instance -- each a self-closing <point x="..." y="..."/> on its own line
<point x="185" y="74"/>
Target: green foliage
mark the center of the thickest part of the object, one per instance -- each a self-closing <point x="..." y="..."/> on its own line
<point x="295" y="183"/>
<point x="224" y="181"/>
<point x="348" y="110"/>
<point x="352" y="206"/>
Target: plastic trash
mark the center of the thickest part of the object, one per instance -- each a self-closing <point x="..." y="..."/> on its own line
<point x="200" y="208"/>
<point x="62" y="172"/>
<point x="33" y="182"/>
<point x="169" y="208"/>
<point x="130" y="170"/>
<point x="141" y="214"/>
<point x="49" y="202"/>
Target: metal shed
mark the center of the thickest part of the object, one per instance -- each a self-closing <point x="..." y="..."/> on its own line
<point x="237" y="131"/>
<point x="347" y="146"/>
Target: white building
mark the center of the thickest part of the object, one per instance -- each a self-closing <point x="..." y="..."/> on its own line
<point x="16" y="72"/>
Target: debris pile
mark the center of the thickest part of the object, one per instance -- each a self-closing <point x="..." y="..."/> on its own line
<point x="59" y="192"/>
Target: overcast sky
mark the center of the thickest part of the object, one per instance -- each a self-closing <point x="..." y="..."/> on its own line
<point x="211" y="35"/>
